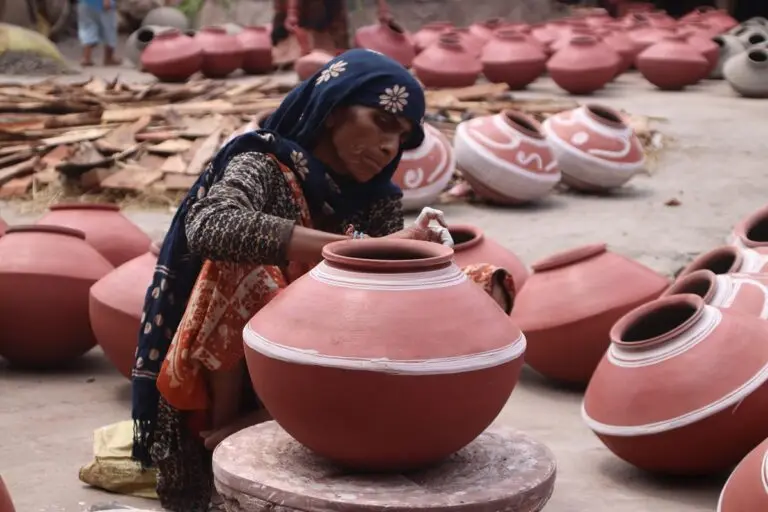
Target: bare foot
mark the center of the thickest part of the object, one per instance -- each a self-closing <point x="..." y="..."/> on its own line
<point x="212" y="438"/>
<point x="113" y="61"/>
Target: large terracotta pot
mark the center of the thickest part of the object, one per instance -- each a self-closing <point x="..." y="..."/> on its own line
<point x="389" y="38"/>
<point x="506" y="158"/>
<point x="746" y="293"/>
<point x="546" y="34"/>
<point x="138" y="41"/>
<point x="257" y="50"/>
<point x="6" y="504"/>
<point x="510" y="57"/>
<point x="424" y="172"/>
<point x="648" y="35"/>
<point x="172" y="56"/>
<point x="109" y="231"/>
<point x="594" y="147"/>
<point x="747" y="488"/>
<point x="652" y="403"/>
<point x="730" y="259"/>
<point x="569" y="304"/>
<point x="45" y="275"/>
<point x="408" y="385"/>
<point x="752" y="230"/>
<point x="115" y="307"/>
<point x="222" y="52"/>
<point x="673" y="63"/>
<point x="471" y="247"/>
<point x="484" y="30"/>
<point x="447" y="63"/>
<point x="584" y="66"/>
<point x="429" y="34"/>
<point x="309" y="64"/>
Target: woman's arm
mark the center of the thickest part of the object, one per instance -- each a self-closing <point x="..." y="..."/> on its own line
<point x="385" y="217"/>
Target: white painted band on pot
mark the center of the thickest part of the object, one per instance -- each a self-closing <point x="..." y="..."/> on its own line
<point x="763" y="475"/>
<point x="394" y="281"/>
<point x="728" y="286"/>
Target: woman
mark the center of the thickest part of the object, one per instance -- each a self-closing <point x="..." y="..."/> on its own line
<point x="257" y="218"/>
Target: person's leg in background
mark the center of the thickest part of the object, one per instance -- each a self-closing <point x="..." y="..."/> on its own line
<point x="87" y="30"/>
<point x="108" y="26"/>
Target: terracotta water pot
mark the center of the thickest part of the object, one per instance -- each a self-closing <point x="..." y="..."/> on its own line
<point x="470" y="41"/>
<point x="139" y="40"/>
<point x="747" y="488"/>
<point x="45" y="275"/>
<point x="471" y="247"/>
<point x="651" y="403"/>
<point x="6" y="504"/>
<point x="115" y="306"/>
<point x="506" y="158"/>
<point x="584" y="66"/>
<point x="745" y="293"/>
<point x="730" y="259"/>
<point x="309" y="64"/>
<point x="565" y="37"/>
<point x="257" y="50"/>
<point x="222" y="52"/>
<point x="172" y="56"/>
<point x="594" y="147"/>
<point x="403" y="364"/>
<point x="484" y="30"/>
<point x="706" y="46"/>
<point x="115" y="236"/>
<point x="429" y="34"/>
<point x="622" y="44"/>
<point x="717" y="18"/>
<point x="752" y="230"/>
<point x="424" y="172"/>
<point x="648" y="35"/>
<point x="447" y="63"/>
<point x="673" y="63"/>
<point x="510" y="57"/>
<point x="747" y="73"/>
<point x="569" y="304"/>
<point x="546" y="34"/>
<point x="389" y="38"/>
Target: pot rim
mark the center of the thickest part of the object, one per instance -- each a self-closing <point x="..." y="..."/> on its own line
<point x="630" y="319"/>
<point x="602" y="114"/>
<point x="704" y="261"/>
<point x="752" y="54"/>
<point x="51" y="229"/>
<point x="570" y="257"/>
<point x="759" y="215"/>
<point x="523" y="123"/>
<point x="84" y="206"/>
<point x="696" y="277"/>
<point x="476" y="233"/>
<point x="362" y="255"/>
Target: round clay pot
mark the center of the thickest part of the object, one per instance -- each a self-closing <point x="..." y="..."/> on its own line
<point x="652" y="404"/>
<point x="388" y="38"/>
<point x="105" y="227"/>
<point x="594" y="147"/>
<point x="470" y="41"/>
<point x="646" y="36"/>
<point x="747" y="73"/>
<point x="565" y="37"/>
<point x="222" y="52"/>
<point x="6" y="504"/>
<point x="424" y="172"/>
<point x="506" y="158"/>
<point x="707" y="47"/>
<point x="115" y="307"/>
<point x="472" y="247"/>
<point x="402" y="364"/>
<point x="569" y="304"/>
<point x="447" y="63"/>
<point x="747" y="488"/>
<point x="546" y="34"/>
<point x="584" y="65"/>
<point x="745" y="293"/>
<point x="484" y="30"/>
<point x="257" y="50"/>
<point x="727" y="46"/>
<point x="45" y="275"/>
<point x="719" y="19"/>
<point x="510" y="57"/>
<point x="309" y="64"/>
<point x="139" y="40"/>
<point x="166" y="17"/>
<point x="429" y="34"/>
<point x="752" y="230"/>
<point x="673" y="63"/>
<point x="730" y="259"/>
<point x="172" y="56"/>
<point x="622" y="44"/>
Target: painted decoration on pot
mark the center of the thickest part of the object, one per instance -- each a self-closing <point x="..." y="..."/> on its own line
<point x="673" y="63"/>
<point x="45" y="275"/>
<point x="747" y="73"/>
<point x="404" y="363"/>
<point x="751" y="231"/>
<point x="257" y="50"/>
<point x="746" y="293"/>
<point x="222" y="52"/>
<point x="511" y="58"/>
<point x="6" y="504"/>
<point x="424" y="172"/>
<point x="594" y="147"/>
<point x="506" y="158"/>
<point x="569" y="304"/>
<point x="447" y="63"/>
<point x="747" y="488"/>
<point x="584" y="65"/>
<point x="651" y="403"/>
<point x="105" y="227"/>
<point x="115" y="305"/>
<point x="172" y="56"/>
<point x="389" y="38"/>
<point x="730" y="259"/>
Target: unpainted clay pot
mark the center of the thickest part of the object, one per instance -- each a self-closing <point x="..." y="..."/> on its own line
<point x="472" y="247"/>
<point x="510" y="57"/>
<point x="309" y="64"/>
<point x="546" y="34"/>
<point x="747" y="73"/>
<point x="222" y="52"/>
<point x="652" y="403"/>
<point x="719" y="19"/>
<point x="470" y="41"/>
<point x="672" y="64"/>
<point x="389" y="38"/>
<point x="110" y="232"/>
<point x="424" y="172"/>
<point x="429" y="34"/>
<point x="257" y="50"/>
<point x="730" y="259"/>
<point x="584" y="65"/>
<point x="728" y="46"/>
<point x="6" y="503"/>
<point x="447" y="63"/>
<point x="403" y="364"/>
<point x="116" y="302"/>
<point x="484" y="30"/>
<point x="747" y="488"/>
<point x="569" y="304"/>
<point x="45" y="274"/>
<point x="172" y="56"/>
<point x="506" y="158"/>
<point x="139" y="40"/>
<point x="752" y="230"/>
<point x="707" y="47"/>
<point x="745" y="293"/>
<point x="622" y="44"/>
<point x="594" y="147"/>
<point x="166" y="17"/>
<point x="646" y="36"/>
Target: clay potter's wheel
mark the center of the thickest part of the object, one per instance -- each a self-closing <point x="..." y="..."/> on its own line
<point x="262" y="468"/>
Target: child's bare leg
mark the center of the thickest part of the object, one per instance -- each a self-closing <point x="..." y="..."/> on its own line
<point x="109" y="35"/>
<point x="87" y="55"/>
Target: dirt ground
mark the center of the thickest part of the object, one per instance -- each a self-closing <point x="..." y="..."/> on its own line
<point x="714" y="165"/>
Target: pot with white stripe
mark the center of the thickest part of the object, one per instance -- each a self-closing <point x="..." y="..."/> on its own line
<point x="682" y="389"/>
<point x="747" y="488"/>
<point x="730" y="259"/>
<point x="746" y="293"/>
<point x="368" y="360"/>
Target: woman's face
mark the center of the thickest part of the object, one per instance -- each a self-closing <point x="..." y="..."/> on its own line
<point x="366" y="139"/>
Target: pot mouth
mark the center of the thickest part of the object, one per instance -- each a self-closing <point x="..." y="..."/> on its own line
<point x="523" y="123"/>
<point x="46" y="228"/>
<point x="758" y="57"/>
<point x="721" y="260"/>
<point x="465" y="236"/>
<point x="107" y="207"/>
<point x="450" y="40"/>
<point x="394" y="27"/>
<point x="657" y="322"/>
<point x="583" y="40"/>
<point x="756" y="226"/>
<point x="605" y="115"/>
<point x="701" y="283"/>
<point x="387" y="255"/>
<point x="509" y="34"/>
<point x="565" y="258"/>
<point x="145" y="35"/>
<point x="756" y="38"/>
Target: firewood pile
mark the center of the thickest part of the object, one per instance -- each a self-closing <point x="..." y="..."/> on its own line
<point x="121" y="139"/>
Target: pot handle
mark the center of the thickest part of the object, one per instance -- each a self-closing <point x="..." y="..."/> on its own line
<point x="292" y="26"/>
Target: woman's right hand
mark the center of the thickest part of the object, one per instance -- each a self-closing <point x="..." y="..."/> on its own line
<point x="420" y="229"/>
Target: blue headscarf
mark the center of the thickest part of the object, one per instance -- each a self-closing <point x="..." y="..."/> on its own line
<point x="356" y="77"/>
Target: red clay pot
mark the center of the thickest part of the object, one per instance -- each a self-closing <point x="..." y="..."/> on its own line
<point x="389" y="38"/>
<point x="3" y="227"/>
<point x="651" y="403"/>
<point x="546" y="33"/>
<point x="752" y="230"/>
<point x="470" y="41"/>
<point x="309" y="64"/>
<point x="718" y="19"/>
<point x="257" y="50"/>
<point x="447" y="63"/>
<point x="109" y="231"/>
<point x="569" y="304"/>
<point x="627" y="49"/>
<point x="672" y="64"/>
<point x="45" y="275"/>
<point x="745" y="293"/>
<point x="402" y="364"/>
<point x="6" y="504"/>
<point x="706" y="46"/>
<point x="115" y="306"/>
<point x="747" y="488"/>
<point x="730" y="259"/>
<point x="484" y="30"/>
<point x="647" y="35"/>
<point x="511" y="58"/>
<point x="172" y="56"/>
<point x="429" y="34"/>
<point x="584" y="66"/>
<point x="222" y="52"/>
